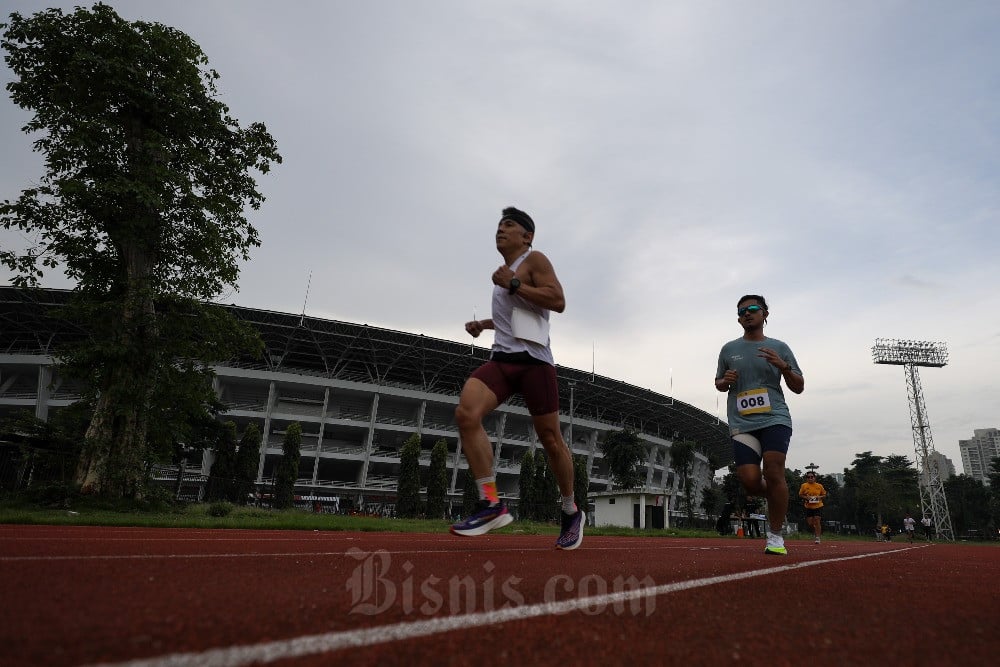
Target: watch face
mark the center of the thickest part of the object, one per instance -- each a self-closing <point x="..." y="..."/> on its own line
<point x="514" y="283"/>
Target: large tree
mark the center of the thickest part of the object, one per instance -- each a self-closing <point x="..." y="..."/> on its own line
<point x="142" y="204"/>
<point x="286" y="473"/>
<point x="624" y="453"/>
<point x="879" y="489"/>
<point x="526" y="487"/>
<point x="247" y="461"/>
<point x="994" y="492"/>
<point x="408" y="486"/>
<point x="682" y="461"/>
<point x="222" y="474"/>
<point x="437" y="481"/>
<point x="581" y="481"/>
<point x="969" y="504"/>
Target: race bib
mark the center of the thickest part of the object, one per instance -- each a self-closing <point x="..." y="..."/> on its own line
<point x="753" y="402"/>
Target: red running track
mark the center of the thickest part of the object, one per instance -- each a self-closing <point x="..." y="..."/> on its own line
<point x="76" y="595"/>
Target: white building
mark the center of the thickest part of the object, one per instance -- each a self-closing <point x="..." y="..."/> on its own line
<point x="941" y="465"/>
<point x="979" y="451"/>
<point x="359" y="393"/>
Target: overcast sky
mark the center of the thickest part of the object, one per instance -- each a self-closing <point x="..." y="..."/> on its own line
<point x="840" y="158"/>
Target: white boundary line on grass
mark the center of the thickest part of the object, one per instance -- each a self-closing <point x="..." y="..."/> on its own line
<point x="236" y="656"/>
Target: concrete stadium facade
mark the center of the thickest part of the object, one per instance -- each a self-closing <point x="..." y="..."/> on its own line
<point x="359" y="393"/>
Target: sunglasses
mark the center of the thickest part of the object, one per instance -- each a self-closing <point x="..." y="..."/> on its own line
<point x="748" y="309"/>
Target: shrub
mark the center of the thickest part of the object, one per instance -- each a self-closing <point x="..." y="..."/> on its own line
<point x="220" y="509"/>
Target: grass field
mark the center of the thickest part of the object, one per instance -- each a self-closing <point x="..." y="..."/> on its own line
<point x="82" y="511"/>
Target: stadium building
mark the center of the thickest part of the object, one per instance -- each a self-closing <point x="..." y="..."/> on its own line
<point x="359" y="393"/>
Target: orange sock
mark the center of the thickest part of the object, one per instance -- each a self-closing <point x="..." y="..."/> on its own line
<point x="488" y="490"/>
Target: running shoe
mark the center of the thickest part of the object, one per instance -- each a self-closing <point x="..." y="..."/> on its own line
<point x="816" y="541"/>
<point x="775" y="545"/>
<point x="571" y="533"/>
<point x="489" y="517"/>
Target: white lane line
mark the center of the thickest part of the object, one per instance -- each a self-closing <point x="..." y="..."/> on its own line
<point x="398" y="552"/>
<point x="235" y="656"/>
<point x="305" y="554"/>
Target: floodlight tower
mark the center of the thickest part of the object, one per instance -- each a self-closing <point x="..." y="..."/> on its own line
<point x="909" y="354"/>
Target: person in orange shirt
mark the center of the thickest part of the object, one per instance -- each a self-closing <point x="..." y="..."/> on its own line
<point x="812" y="494"/>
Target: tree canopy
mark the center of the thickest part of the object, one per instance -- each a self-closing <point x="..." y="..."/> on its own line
<point x="682" y="457"/>
<point x="142" y="204"/>
<point x="147" y="172"/>
<point x="624" y="452"/>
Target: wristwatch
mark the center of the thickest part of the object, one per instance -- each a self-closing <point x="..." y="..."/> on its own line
<point x="514" y="284"/>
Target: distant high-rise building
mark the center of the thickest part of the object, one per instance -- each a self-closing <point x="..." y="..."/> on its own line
<point x="942" y="464"/>
<point x="979" y="451"/>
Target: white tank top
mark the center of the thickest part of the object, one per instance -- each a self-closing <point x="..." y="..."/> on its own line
<point x="503" y="309"/>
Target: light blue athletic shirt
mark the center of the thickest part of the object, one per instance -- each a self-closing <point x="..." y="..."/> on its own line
<point x="757" y="379"/>
<point x="503" y="309"/>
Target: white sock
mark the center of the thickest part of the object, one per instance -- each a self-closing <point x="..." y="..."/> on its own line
<point x="568" y="505"/>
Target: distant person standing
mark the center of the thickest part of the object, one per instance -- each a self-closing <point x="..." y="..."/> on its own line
<point x="525" y="291"/>
<point x="928" y="527"/>
<point x="812" y="494"/>
<point x="750" y="369"/>
<point x="909" y="525"/>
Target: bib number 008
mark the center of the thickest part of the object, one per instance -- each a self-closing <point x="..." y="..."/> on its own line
<point x="753" y="402"/>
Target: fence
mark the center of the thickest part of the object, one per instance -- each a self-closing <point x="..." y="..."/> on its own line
<point x="26" y="467"/>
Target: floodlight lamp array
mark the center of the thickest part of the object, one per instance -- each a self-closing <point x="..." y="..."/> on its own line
<point x="909" y="352"/>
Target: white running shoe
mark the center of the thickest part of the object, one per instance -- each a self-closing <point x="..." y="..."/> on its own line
<point x="775" y="545"/>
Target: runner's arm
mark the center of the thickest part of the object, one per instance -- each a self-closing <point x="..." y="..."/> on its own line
<point x="542" y="287"/>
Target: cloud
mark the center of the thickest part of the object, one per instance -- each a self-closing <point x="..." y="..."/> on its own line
<point x="840" y="161"/>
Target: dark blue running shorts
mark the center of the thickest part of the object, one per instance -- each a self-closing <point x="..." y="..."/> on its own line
<point x="748" y="448"/>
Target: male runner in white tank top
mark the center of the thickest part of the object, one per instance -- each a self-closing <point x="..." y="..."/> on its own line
<point x="525" y="291"/>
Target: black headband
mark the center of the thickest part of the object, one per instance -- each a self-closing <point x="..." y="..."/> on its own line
<point x="520" y="217"/>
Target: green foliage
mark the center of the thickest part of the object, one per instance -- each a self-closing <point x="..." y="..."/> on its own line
<point x="143" y="206"/>
<point x="246" y="464"/>
<point x="879" y="489"/>
<point x="713" y="500"/>
<point x="48" y="449"/>
<point x="732" y="489"/>
<point x="546" y="492"/>
<point x="581" y="481"/>
<point x="682" y="461"/>
<point x="994" y="477"/>
<point x="993" y="474"/>
<point x="470" y="494"/>
<point x="437" y="480"/>
<point x="624" y="453"/>
<point x="968" y="503"/>
<point x="408" y="489"/>
<point x="141" y="154"/>
<point x="220" y="509"/>
<point x="287" y="471"/>
<point x="526" y="486"/>
<point x="223" y="472"/>
<point x="50" y="494"/>
<point x="62" y="433"/>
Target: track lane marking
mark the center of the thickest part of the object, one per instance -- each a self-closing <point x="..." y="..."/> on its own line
<point x="236" y="656"/>
<point x="293" y="554"/>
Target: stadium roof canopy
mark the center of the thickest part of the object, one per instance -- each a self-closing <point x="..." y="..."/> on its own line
<point x="358" y="352"/>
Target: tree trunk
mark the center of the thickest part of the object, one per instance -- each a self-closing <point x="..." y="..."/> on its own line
<point x="114" y="453"/>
